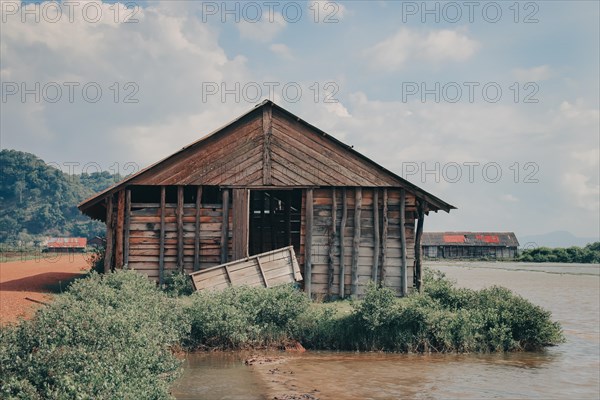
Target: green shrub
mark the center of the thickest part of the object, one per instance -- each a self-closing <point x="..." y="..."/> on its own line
<point x="178" y="284"/>
<point x="108" y="337"/>
<point x="244" y="316"/>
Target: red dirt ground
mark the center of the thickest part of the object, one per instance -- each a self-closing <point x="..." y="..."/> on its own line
<point x="35" y="279"/>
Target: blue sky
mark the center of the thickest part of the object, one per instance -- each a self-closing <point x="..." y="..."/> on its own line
<point x="546" y="151"/>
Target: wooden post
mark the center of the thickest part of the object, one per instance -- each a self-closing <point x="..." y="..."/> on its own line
<point x="126" y="229"/>
<point x="109" y="235"/>
<point x="180" y="200"/>
<point x="267" y="123"/>
<point x="225" y="227"/>
<point x="263" y="222"/>
<point x="356" y="239"/>
<point x="240" y="223"/>
<point x="308" y="243"/>
<point x="343" y="245"/>
<point x="197" y="228"/>
<point x="288" y="217"/>
<point x="418" y="255"/>
<point x="384" y="239"/>
<point x="403" y="267"/>
<point x="119" y="230"/>
<point x="377" y="244"/>
<point x="161" y="244"/>
<point x="332" y="236"/>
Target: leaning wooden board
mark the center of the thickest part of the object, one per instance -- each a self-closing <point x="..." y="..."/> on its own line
<point x="262" y="270"/>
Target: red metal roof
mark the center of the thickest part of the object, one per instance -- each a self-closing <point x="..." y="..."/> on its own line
<point x="68" y="242"/>
<point x="454" y="238"/>
<point x="507" y="239"/>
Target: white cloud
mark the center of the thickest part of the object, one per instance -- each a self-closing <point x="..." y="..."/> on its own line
<point x="281" y="50"/>
<point x="408" y="45"/>
<point x="589" y="157"/>
<point x="584" y="193"/>
<point x="534" y="74"/>
<point x="509" y="198"/>
<point x="263" y="30"/>
<point x="167" y="56"/>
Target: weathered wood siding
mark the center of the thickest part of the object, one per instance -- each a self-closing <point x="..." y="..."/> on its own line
<point x="144" y="237"/>
<point x="322" y="226"/>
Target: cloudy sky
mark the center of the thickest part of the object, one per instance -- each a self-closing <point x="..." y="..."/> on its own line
<point x="492" y="106"/>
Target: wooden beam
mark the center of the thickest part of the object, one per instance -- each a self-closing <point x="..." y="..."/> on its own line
<point x="126" y="228"/>
<point x="356" y="239"/>
<point x="161" y="244"/>
<point x="240" y="222"/>
<point x="332" y="237"/>
<point x="267" y="125"/>
<point x="308" y="243"/>
<point x="109" y="235"/>
<point x="342" y="244"/>
<point x="418" y="252"/>
<point x="197" y="228"/>
<point x="384" y="239"/>
<point x="262" y="272"/>
<point x="376" y="238"/>
<point x="225" y="227"/>
<point x="403" y="267"/>
<point x="180" y="200"/>
<point x="119" y="229"/>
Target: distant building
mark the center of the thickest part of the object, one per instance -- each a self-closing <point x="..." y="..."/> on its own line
<point x="66" y="245"/>
<point x="97" y="242"/>
<point x="466" y="245"/>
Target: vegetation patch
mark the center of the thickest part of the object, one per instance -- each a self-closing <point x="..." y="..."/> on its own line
<point x="114" y="336"/>
<point x="590" y="254"/>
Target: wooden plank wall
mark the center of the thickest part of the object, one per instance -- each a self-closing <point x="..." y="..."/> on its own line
<point x="321" y="251"/>
<point x="144" y="237"/>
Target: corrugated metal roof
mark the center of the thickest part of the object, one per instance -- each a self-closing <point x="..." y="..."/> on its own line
<point x="67" y="242"/>
<point x="505" y="239"/>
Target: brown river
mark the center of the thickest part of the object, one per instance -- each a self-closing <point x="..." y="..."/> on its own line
<point x="568" y="371"/>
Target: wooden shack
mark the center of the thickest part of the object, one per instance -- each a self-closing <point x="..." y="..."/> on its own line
<point x="264" y="181"/>
<point x="470" y="245"/>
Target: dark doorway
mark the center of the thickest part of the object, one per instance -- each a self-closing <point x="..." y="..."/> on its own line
<point x="274" y="220"/>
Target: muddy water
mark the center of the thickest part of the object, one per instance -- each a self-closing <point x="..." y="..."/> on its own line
<point x="568" y="371"/>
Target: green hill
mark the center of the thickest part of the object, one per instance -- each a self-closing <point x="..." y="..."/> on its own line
<point x="38" y="200"/>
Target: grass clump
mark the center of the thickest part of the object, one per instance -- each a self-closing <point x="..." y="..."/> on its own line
<point x="108" y="337"/>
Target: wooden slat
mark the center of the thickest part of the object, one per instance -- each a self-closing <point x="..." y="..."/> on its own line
<point x="180" y="200"/>
<point x="240" y="222"/>
<point x="161" y="245"/>
<point x="356" y="240"/>
<point x="109" y="235"/>
<point x="197" y="228"/>
<point x="376" y="238"/>
<point x="262" y="272"/>
<point x="342" y="245"/>
<point x="308" y="242"/>
<point x="418" y="267"/>
<point x="384" y="239"/>
<point x="332" y="238"/>
<point x="119" y="229"/>
<point x="126" y="228"/>
<point x="404" y="288"/>
<point x="225" y="227"/>
<point x="267" y="124"/>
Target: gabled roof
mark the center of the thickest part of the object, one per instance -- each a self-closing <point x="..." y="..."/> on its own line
<point x="267" y="146"/>
<point x="504" y="239"/>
